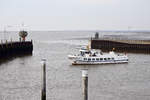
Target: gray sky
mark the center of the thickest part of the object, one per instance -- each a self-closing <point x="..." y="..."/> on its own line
<point x="75" y="14"/>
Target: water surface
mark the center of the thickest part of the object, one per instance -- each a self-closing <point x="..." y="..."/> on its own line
<point x="20" y="78"/>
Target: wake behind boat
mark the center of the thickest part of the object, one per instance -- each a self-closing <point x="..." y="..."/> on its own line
<point x="91" y="56"/>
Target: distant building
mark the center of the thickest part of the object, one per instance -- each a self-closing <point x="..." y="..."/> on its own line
<point x="96" y="35"/>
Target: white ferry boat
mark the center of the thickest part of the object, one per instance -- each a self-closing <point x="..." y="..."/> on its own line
<point x="91" y="56"/>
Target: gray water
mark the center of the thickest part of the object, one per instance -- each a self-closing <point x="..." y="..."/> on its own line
<point x="20" y="78"/>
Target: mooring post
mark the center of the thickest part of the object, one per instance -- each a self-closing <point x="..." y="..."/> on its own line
<point x="2" y="43"/>
<point x="43" y="92"/>
<point x="11" y="42"/>
<point x="85" y="84"/>
<point x="6" y="43"/>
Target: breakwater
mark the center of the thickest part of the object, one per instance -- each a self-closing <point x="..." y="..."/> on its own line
<point x="135" y="46"/>
<point x="12" y="49"/>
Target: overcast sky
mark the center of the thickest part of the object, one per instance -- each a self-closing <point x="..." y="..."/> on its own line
<point x="75" y="14"/>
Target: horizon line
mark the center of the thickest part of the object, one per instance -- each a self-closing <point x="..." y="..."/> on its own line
<point x="85" y="30"/>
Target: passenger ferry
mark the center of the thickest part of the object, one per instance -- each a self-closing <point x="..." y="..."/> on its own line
<point x="91" y="56"/>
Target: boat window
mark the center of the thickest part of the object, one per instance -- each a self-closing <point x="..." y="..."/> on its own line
<point x="89" y="59"/>
<point x="101" y="58"/>
<point x="112" y="58"/>
<point x="108" y="58"/>
<point x="93" y="59"/>
<point x="87" y="52"/>
<point x="105" y="59"/>
<point x="85" y="58"/>
<point x="97" y="59"/>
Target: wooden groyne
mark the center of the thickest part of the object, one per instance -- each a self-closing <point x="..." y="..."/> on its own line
<point x="135" y="46"/>
<point x="12" y="49"/>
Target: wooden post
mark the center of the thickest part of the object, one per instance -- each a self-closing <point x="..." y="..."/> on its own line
<point x="2" y="43"/>
<point x="85" y="84"/>
<point x="43" y="92"/>
<point x="6" y="44"/>
<point x="11" y="42"/>
<point x="20" y="39"/>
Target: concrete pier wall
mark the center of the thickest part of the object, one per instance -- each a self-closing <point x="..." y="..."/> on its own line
<point x="108" y="45"/>
<point x="15" y="49"/>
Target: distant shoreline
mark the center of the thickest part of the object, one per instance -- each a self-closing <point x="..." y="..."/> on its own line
<point x="116" y="31"/>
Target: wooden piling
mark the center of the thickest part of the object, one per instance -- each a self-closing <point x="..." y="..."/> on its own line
<point x="85" y="84"/>
<point x="43" y="92"/>
<point x="11" y="42"/>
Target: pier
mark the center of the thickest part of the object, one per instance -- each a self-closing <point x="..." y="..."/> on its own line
<point x="134" y="46"/>
<point x="12" y="49"/>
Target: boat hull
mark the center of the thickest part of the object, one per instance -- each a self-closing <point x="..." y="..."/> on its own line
<point x="98" y="63"/>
